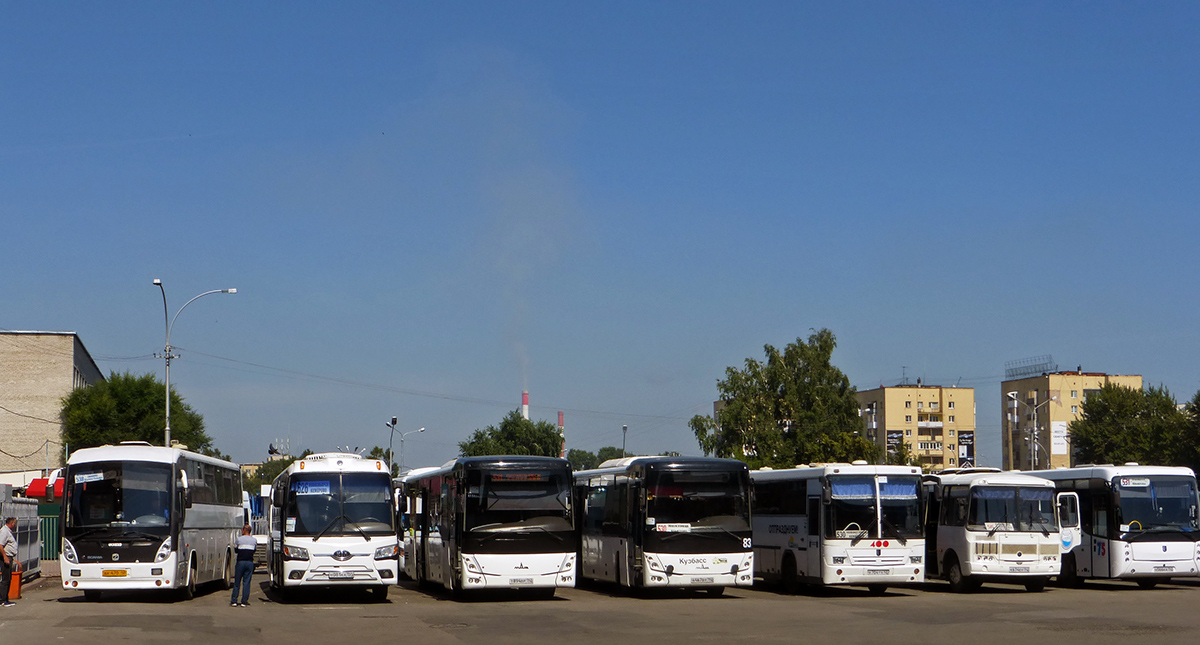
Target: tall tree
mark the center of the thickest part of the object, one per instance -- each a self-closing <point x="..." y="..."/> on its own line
<point x="795" y="407"/>
<point x="582" y="459"/>
<point x="269" y="470"/>
<point x="382" y="454"/>
<point x="130" y="408"/>
<point x="514" y="436"/>
<point x="609" y="452"/>
<point x="1119" y="424"/>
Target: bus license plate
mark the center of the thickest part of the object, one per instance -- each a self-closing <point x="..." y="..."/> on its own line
<point x="1018" y="569"/>
<point x="702" y="581"/>
<point x="114" y="573"/>
<point x="341" y="575"/>
<point x="520" y="581"/>
<point x="878" y="572"/>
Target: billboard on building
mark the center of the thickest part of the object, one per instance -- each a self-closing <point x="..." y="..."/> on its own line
<point x="1058" y="438"/>
<point x="894" y="439"/>
<point x="966" y="447"/>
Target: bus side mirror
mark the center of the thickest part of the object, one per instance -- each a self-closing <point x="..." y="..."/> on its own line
<point x="826" y="492"/>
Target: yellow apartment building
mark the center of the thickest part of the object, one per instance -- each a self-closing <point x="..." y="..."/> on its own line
<point x="1037" y="410"/>
<point x="936" y="423"/>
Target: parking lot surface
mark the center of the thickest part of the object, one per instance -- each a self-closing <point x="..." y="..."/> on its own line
<point x="1104" y="612"/>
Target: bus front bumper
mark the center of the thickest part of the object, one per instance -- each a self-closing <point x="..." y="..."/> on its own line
<point x="705" y="570"/>
<point x="120" y="575"/>
<point x="518" y="571"/>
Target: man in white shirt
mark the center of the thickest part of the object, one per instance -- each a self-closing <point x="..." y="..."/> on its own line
<point x="8" y="549"/>
<point x="245" y="567"/>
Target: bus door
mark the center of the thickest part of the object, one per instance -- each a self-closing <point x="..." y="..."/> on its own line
<point x="810" y="558"/>
<point x="1068" y="521"/>
<point x="1100" y="531"/>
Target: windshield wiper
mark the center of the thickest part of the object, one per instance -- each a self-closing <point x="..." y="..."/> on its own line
<point x="895" y="531"/>
<point x="358" y="528"/>
<point x="858" y="538"/>
<point x="328" y="526"/>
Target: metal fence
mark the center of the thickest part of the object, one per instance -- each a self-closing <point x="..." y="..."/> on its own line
<point x="50" y="542"/>
<point x="29" y="534"/>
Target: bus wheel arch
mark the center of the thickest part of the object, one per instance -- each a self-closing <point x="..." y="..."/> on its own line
<point x="189" y="586"/>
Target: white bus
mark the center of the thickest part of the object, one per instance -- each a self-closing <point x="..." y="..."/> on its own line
<point x="1138" y="522"/>
<point x="666" y="521"/>
<point x="984" y="524"/>
<point x="496" y="522"/>
<point x="333" y="525"/>
<point x="839" y="524"/>
<point x="136" y="516"/>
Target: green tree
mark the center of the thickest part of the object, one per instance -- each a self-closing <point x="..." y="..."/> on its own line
<point x="1119" y="424"/>
<point x="126" y="407"/>
<point x="582" y="459"/>
<point x="609" y="452"/>
<point x="902" y="456"/>
<point x="269" y="470"/>
<point x="514" y="436"/>
<point x="795" y="407"/>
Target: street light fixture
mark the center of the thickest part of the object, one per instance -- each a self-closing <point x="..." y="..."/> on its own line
<point x="1035" y="431"/>
<point x="167" y="355"/>
<point x="624" y="431"/>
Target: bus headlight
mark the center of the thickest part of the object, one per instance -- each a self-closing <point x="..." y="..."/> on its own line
<point x="294" y="553"/>
<point x="386" y="552"/>
<point x="914" y="559"/>
<point x="839" y="559"/>
<point x="164" y="551"/>
<point x="68" y="551"/>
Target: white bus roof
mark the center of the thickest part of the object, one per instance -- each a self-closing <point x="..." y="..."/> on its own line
<point x="336" y="462"/>
<point x="994" y="478"/>
<point x="139" y="451"/>
<point x="821" y="470"/>
<point x="1108" y="471"/>
<point x="620" y="465"/>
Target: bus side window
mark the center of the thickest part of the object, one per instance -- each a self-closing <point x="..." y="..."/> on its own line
<point x="814" y="516"/>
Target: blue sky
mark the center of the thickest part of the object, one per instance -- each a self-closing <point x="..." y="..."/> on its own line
<point x="427" y="208"/>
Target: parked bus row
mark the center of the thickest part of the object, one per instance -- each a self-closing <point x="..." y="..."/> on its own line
<point x="143" y="517"/>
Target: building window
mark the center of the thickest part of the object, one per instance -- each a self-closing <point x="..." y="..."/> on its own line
<point x="952" y="405"/>
<point x="908" y="433"/>
<point x="908" y="404"/>
<point x="920" y="405"/>
<point x="908" y="418"/>
<point x="1074" y="409"/>
<point x="952" y="461"/>
<point x="951" y="420"/>
<point x="951" y="432"/>
<point x="1074" y="394"/>
<point x="933" y="405"/>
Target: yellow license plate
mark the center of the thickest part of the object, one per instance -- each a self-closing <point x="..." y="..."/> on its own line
<point x="115" y="573"/>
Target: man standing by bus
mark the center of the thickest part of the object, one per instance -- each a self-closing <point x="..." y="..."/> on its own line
<point x="8" y="549"/>
<point x="245" y="567"/>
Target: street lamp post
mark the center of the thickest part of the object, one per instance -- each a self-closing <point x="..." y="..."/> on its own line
<point x="167" y="355"/>
<point x="392" y="426"/>
<point x="1035" y="431"/>
<point x="624" y="431"/>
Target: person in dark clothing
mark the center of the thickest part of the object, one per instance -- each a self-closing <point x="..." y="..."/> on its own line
<point x="245" y="567"/>
<point x="8" y="557"/>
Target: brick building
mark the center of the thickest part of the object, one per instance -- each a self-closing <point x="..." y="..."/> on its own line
<point x="936" y="423"/>
<point x="37" y="370"/>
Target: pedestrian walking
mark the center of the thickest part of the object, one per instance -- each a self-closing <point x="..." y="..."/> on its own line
<point x="245" y="567"/>
<point x="8" y="549"/>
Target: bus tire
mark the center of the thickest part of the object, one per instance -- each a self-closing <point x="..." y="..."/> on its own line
<point x="1068" y="575"/>
<point x="189" y="588"/>
<point x="1147" y="583"/>
<point x="1037" y="585"/>
<point x="954" y="575"/>
<point x="92" y="595"/>
<point x="227" y="579"/>
<point x="379" y="593"/>
<point x="788" y="577"/>
<point x="876" y="590"/>
<point x="715" y="592"/>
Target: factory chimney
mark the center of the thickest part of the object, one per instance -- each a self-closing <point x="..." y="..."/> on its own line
<point x="525" y="405"/>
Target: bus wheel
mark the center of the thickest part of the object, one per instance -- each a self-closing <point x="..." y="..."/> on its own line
<point x="1147" y="583"/>
<point x="716" y="592"/>
<point x="791" y="581"/>
<point x="958" y="582"/>
<point x="876" y="590"/>
<point x="189" y="590"/>
<point x="1068" y="575"/>
<point x="379" y="594"/>
<point x="1037" y="585"/>
<point x="92" y="595"/>
<point x="227" y="579"/>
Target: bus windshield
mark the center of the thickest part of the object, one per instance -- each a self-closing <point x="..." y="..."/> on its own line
<point x="1012" y="508"/>
<point x="1161" y="503"/>
<point x="518" y="512"/>
<point x="321" y="504"/>
<point x="119" y="494"/>
<point x="852" y="510"/>
<point x="697" y="501"/>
